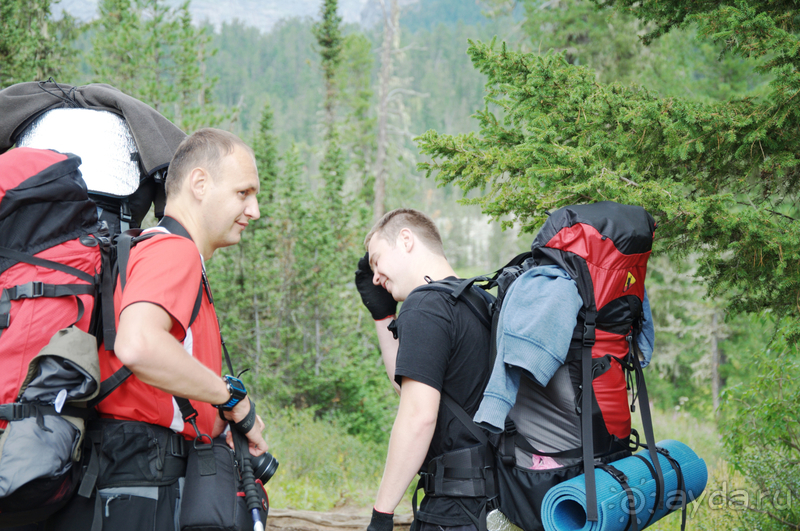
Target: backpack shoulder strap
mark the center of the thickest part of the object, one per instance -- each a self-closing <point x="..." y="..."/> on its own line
<point x="478" y="300"/>
<point x="465" y="419"/>
<point x="126" y="241"/>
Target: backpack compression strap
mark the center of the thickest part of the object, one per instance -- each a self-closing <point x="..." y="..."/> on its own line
<point x="33" y="290"/>
<point x="585" y="412"/>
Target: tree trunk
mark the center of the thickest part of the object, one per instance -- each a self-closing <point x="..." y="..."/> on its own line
<point x="715" y="382"/>
<point x="391" y="19"/>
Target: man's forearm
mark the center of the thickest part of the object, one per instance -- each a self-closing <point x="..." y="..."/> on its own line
<point x="146" y="347"/>
<point x="411" y="437"/>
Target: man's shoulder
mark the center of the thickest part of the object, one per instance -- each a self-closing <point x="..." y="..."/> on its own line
<point x="163" y="256"/>
<point x="172" y="246"/>
<point x="426" y="298"/>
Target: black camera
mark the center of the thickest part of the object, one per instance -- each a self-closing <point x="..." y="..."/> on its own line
<point x="264" y="466"/>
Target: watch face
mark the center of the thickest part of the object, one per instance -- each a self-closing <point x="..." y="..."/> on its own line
<point x="236" y="385"/>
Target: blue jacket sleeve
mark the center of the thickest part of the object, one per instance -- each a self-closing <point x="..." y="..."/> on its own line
<point x="647" y="339"/>
<point x="534" y="330"/>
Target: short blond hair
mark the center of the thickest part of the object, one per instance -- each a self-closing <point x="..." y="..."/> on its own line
<point x="204" y="148"/>
<point x="423" y="227"/>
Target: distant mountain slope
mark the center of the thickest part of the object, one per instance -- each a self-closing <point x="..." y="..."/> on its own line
<point x="262" y="14"/>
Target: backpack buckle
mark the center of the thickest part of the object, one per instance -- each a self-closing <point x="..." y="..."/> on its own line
<point x="31" y="290"/>
<point x="588" y="334"/>
<point x="177" y="446"/>
<point x="426" y="483"/>
<point x="15" y="411"/>
<point x="614" y="472"/>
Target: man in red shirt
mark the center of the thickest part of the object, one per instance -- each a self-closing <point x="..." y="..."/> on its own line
<point x="211" y="197"/>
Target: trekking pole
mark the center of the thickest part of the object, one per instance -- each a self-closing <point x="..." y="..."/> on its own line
<point x="251" y="496"/>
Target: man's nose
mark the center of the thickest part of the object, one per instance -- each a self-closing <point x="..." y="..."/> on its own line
<point x="376" y="278"/>
<point x="251" y="210"/>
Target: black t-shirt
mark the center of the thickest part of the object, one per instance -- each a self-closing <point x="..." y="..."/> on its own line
<point x="446" y="347"/>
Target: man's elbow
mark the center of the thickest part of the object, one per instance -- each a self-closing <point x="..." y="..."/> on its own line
<point x="426" y="420"/>
<point x="132" y="349"/>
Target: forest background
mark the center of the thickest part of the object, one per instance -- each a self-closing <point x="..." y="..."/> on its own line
<point x="685" y="111"/>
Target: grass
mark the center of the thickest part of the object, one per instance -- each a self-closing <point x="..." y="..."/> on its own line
<point x="322" y="468"/>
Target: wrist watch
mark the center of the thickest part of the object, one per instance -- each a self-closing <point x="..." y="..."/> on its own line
<point x="237" y="390"/>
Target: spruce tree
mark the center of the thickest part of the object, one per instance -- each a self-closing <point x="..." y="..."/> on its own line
<point x="328" y="33"/>
<point x="722" y="179"/>
<point x="153" y="52"/>
<point x="33" y="46"/>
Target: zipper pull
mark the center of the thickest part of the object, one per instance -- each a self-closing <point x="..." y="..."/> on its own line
<point x="108" y="500"/>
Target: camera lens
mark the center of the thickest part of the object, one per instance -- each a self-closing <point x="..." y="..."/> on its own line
<point x="264" y="466"/>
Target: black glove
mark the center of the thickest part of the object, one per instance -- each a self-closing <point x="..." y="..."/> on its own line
<point x="381" y="521"/>
<point x="378" y="301"/>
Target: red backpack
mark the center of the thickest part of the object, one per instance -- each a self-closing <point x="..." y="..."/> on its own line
<point x="51" y="255"/>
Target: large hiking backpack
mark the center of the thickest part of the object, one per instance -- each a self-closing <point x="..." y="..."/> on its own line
<point x="51" y="251"/>
<point x="604" y="247"/>
<point x="56" y="252"/>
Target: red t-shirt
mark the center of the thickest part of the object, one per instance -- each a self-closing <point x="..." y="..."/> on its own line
<point x="165" y="270"/>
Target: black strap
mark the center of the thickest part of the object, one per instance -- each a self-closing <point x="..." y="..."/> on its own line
<point x="34" y="290"/>
<point x="681" y="484"/>
<point x="480" y="520"/>
<point x="647" y="425"/>
<point x="622" y="479"/>
<point x="657" y="493"/>
<point x="477" y="300"/>
<point x="91" y="473"/>
<point x="107" y="315"/>
<point x="465" y="419"/>
<point x="478" y="433"/>
<point x="109" y="384"/>
<point x="18" y="411"/>
<point x="188" y="412"/>
<point x="28" y="259"/>
<point x="5" y="311"/>
<point x="125" y="242"/>
<point x="246" y="424"/>
<point x="587" y="437"/>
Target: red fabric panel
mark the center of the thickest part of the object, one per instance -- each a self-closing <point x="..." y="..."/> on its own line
<point x="34" y="321"/>
<point x="609" y="268"/>
<point x="610" y="388"/>
<point x="18" y="164"/>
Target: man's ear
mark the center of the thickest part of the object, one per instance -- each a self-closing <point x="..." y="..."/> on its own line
<point x="198" y="181"/>
<point x="405" y="239"/>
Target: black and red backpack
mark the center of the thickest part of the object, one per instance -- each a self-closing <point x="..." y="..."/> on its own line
<point x="51" y="254"/>
<point x="604" y="247"/>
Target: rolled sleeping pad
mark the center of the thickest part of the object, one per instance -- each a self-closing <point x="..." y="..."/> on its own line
<point x="564" y="505"/>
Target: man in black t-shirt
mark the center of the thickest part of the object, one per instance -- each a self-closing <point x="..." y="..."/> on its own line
<point x="440" y="348"/>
